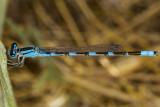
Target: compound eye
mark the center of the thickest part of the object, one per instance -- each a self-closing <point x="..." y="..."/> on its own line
<point x="14" y="45"/>
<point x="12" y="51"/>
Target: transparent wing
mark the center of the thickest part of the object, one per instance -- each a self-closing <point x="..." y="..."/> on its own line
<point x="92" y="48"/>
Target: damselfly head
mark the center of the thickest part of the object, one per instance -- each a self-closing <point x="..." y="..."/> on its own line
<point x="12" y="51"/>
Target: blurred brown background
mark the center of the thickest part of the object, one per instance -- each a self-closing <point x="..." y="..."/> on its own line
<point x="85" y="81"/>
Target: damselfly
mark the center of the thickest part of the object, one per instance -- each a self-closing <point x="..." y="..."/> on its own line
<point x="94" y="50"/>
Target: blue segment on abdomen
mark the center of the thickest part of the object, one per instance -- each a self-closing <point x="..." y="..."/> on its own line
<point x="92" y="53"/>
<point x="147" y="53"/>
<point x="126" y="54"/>
<point x="110" y="53"/>
<point x="72" y="53"/>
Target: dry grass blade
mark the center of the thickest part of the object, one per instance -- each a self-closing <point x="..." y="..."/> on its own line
<point x="5" y="81"/>
<point x="97" y="88"/>
<point x="139" y="19"/>
<point x="8" y="96"/>
<point x="70" y="22"/>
